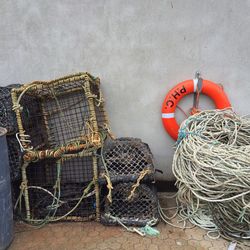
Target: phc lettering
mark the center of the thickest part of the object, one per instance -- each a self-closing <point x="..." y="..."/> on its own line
<point x="174" y="96"/>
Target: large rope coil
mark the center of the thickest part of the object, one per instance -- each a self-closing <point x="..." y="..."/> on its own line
<point x="212" y="168"/>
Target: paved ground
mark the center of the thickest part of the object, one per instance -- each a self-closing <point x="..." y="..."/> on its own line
<point x="92" y="235"/>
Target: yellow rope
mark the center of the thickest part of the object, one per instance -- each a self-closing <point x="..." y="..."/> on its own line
<point x="94" y="137"/>
<point x="110" y="187"/>
<point x="143" y="173"/>
<point x="99" y="100"/>
<point x="108" y="129"/>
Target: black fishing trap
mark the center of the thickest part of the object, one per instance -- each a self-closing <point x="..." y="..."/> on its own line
<point x="7" y="115"/>
<point x="125" y="159"/>
<point x="60" y="122"/>
<point x="136" y="210"/>
<point x="58" y="130"/>
<point x="74" y="170"/>
<point x="56" y="189"/>
<point x="59" y="112"/>
<point x="15" y="157"/>
<point x="8" y="121"/>
<point x="66" y="206"/>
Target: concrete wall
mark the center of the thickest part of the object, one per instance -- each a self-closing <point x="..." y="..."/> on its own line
<point x="140" y="49"/>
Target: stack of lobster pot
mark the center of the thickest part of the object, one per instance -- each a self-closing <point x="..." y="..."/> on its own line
<point x="60" y="125"/>
<point x="127" y="173"/>
<point x="8" y="121"/>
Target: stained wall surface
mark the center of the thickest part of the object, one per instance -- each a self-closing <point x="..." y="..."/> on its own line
<point x="140" y="49"/>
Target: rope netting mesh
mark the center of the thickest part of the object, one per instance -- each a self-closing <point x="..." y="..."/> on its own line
<point x="7" y="115"/>
<point x="211" y="165"/>
<point x="61" y="127"/>
<point x="42" y="197"/>
<point x="15" y="157"/>
<point x="61" y="124"/>
<point x="55" y="188"/>
<point x="125" y="159"/>
<point x="137" y="211"/>
<point x="8" y="121"/>
<point x="59" y="112"/>
<point x="75" y="170"/>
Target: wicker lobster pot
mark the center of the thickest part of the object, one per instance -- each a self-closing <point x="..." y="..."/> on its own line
<point x="52" y="115"/>
<point x="75" y="174"/>
<point x="60" y="122"/>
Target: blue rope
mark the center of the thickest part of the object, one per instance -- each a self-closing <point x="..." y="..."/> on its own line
<point x="183" y="132"/>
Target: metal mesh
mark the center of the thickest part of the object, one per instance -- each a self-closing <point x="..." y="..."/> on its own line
<point x="126" y="158"/>
<point x="15" y="157"/>
<point x="7" y="115"/>
<point x="138" y="210"/>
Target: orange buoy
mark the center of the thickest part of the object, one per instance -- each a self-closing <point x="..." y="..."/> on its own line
<point x="211" y="89"/>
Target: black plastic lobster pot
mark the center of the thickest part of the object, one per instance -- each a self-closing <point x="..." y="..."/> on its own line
<point x="6" y="213"/>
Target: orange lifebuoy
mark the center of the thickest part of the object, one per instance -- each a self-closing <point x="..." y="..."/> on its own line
<point x="213" y="90"/>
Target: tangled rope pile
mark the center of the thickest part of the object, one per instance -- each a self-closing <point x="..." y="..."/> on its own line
<point x="212" y="168"/>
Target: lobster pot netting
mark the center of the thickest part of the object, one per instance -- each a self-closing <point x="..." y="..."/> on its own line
<point x="126" y="159"/>
<point x="74" y="175"/>
<point x="7" y="115"/>
<point x="59" y="112"/>
<point x="68" y="207"/>
<point x="136" y="211"/>
<point x="61" y="123"/>
<point x="75" y="170"/>
<point x="15" y="157"/>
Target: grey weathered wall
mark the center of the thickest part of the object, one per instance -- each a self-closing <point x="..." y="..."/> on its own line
<point x="140" y="49"/>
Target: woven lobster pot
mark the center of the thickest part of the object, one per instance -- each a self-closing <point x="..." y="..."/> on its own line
<point x="43" y="204"/>
<point x="56" y="113"/>
<point x="7" y="115"/>
<point x="74" y="170"/>
<point x="126" y="159"/>
<point x="60" y="121"/>
<point x="70" y="180"/>
<point x="138" y="210"/>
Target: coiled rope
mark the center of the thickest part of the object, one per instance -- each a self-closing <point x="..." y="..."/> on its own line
<point x="212" y="168"/>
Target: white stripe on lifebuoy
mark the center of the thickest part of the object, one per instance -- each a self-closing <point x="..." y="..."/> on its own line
<point x="167" y="115"/>
<point x="195" y="84"/>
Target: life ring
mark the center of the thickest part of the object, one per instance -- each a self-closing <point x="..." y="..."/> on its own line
<point x="213" y="90"/>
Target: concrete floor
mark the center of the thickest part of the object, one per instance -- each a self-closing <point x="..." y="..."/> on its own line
<point x="93" y="235"/>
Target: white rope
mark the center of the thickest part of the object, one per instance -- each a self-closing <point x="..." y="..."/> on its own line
<point x="212" y="168"/>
